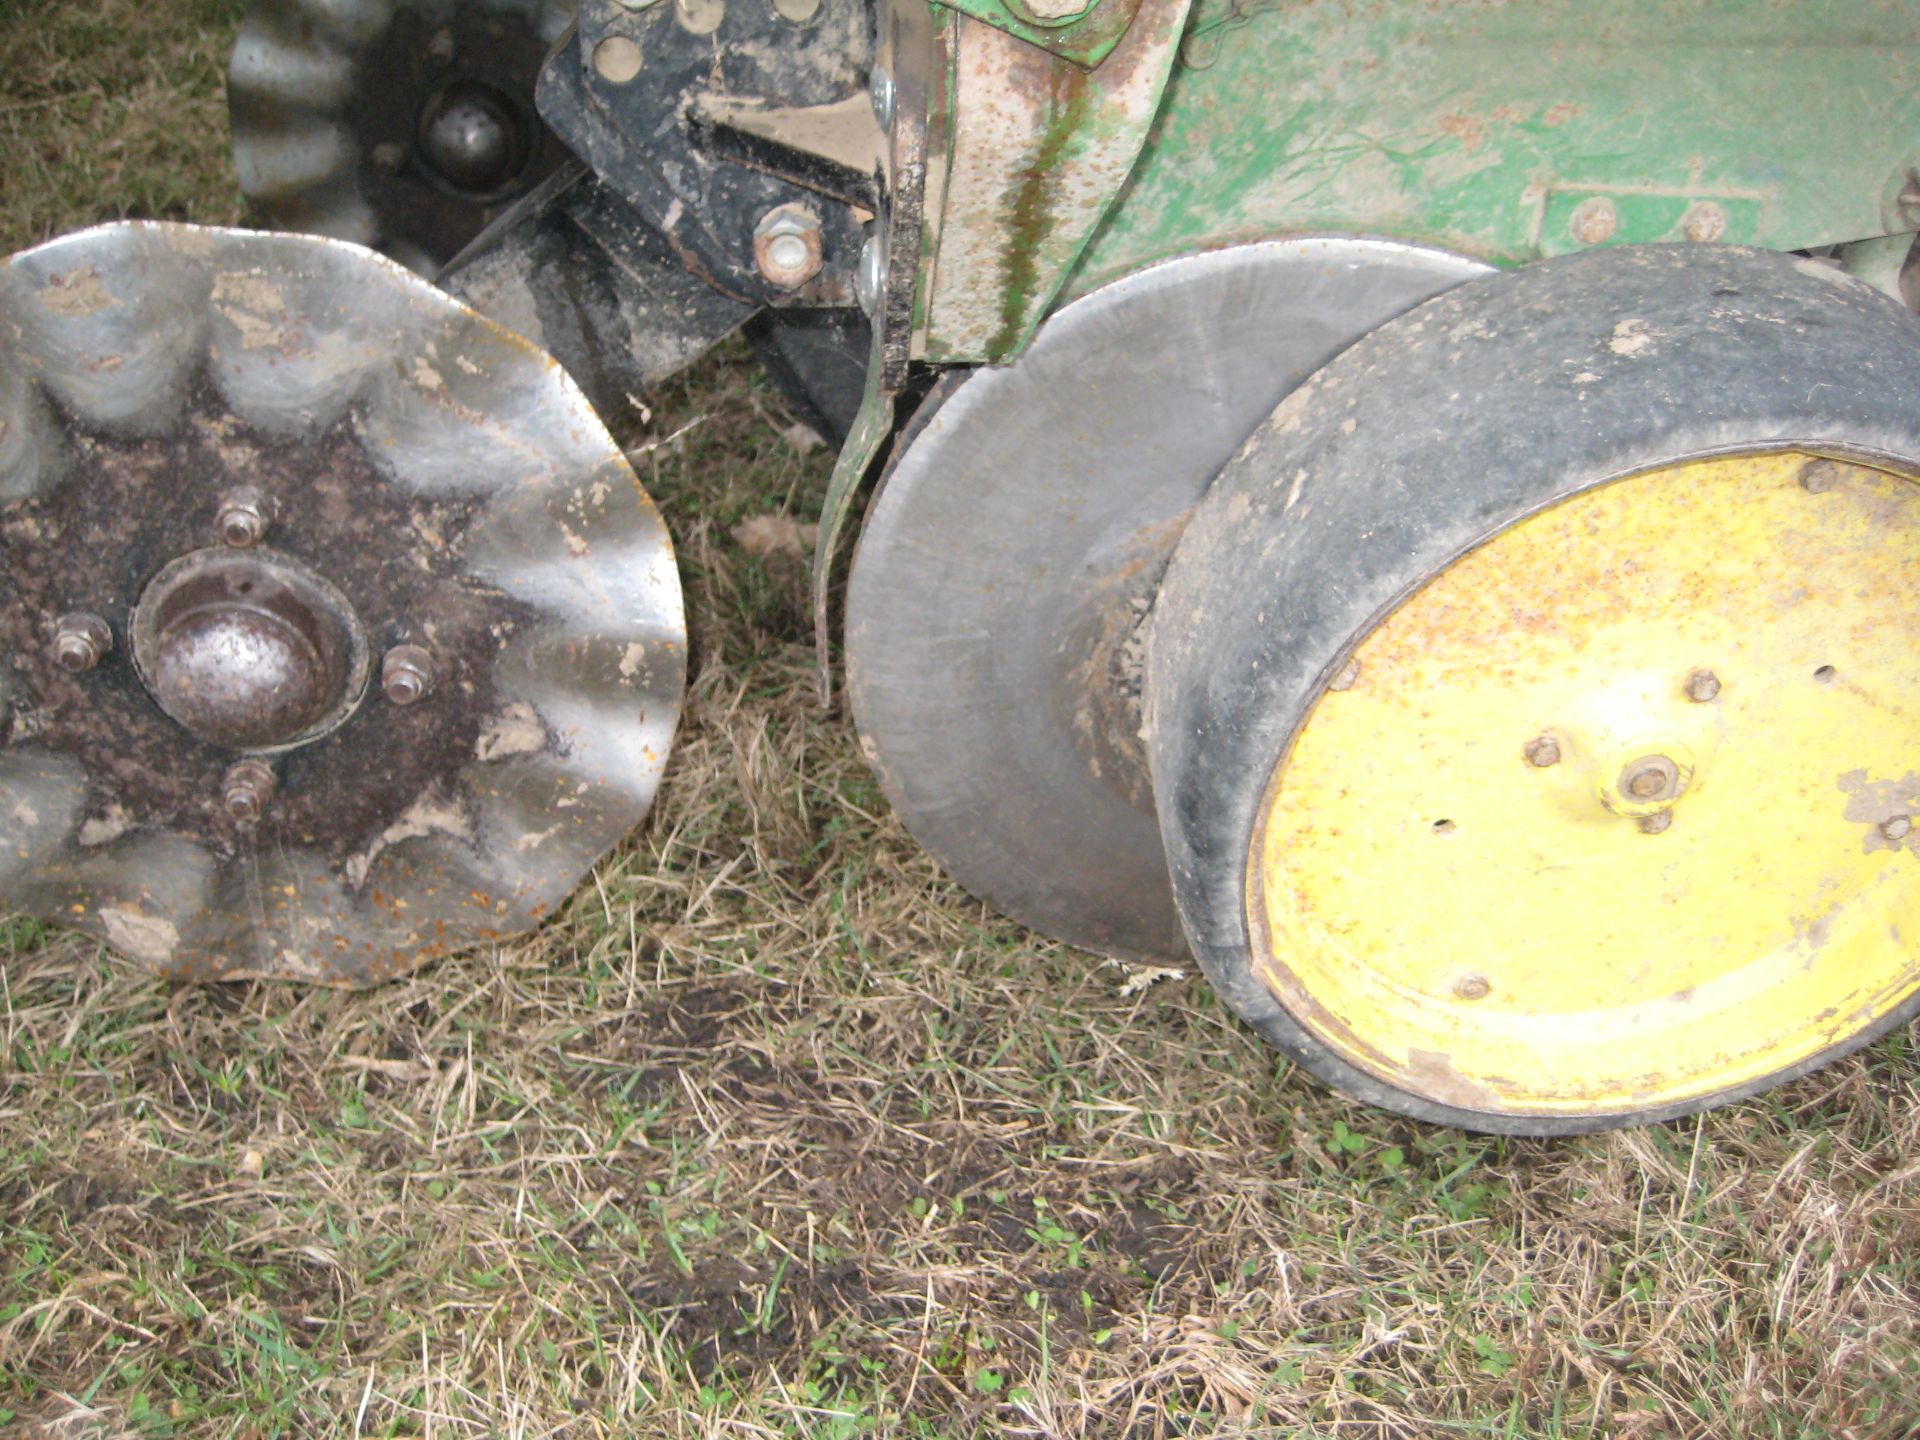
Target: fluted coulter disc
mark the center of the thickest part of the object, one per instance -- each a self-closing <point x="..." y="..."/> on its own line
<point x="337" y="631"/>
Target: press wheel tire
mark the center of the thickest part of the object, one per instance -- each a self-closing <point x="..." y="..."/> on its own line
<point x="1645" y="504"/>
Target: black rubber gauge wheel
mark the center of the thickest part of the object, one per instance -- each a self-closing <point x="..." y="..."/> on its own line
<point x="1531" y="703"/>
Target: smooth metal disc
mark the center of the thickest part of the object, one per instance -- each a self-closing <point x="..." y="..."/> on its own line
<point x="406" y="125"/>
<point x="994" y="608"/>
<point x="444" y="488"/>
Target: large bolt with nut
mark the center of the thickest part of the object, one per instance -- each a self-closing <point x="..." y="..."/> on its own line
<point x="81" y="641"/>
<point x="406" y="675"/>
<point x="1653" y="778"/>
<point x="788" y="246"/>
<point x="245" y="517"/>
<point x="247" y="790"/>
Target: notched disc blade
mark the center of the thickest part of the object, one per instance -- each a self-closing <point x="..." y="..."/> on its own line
<point x="436" y="482"/>
<point x="993" y="615"/>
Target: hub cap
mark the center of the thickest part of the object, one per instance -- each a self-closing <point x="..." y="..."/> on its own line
<point x="1617" y="811"/>
<point x="249" y="651"/>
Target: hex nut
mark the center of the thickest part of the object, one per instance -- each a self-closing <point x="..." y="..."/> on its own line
<point x="81" y="641"/>
<point x="245" y="517"/>
<point x="1543" y="751"/>
<point x="788" y="246"/>
<point x="1702" y="686"/>
<point x="247" y="790"/>
<point x="406" y="674"/>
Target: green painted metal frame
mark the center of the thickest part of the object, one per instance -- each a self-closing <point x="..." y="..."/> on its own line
<point x="1508" y="132"/>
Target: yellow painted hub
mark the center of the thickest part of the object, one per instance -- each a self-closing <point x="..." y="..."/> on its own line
<point x="1466" y="879"/>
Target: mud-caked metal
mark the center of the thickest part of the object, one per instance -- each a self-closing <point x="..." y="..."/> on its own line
<point x="404" y="716"/>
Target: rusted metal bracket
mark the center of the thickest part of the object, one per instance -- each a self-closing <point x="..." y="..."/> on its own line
<point x="1075" y="30"/>
<point x="1036" y="152"/>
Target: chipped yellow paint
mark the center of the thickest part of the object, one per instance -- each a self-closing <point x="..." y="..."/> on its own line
<point x="1522" y="938"/>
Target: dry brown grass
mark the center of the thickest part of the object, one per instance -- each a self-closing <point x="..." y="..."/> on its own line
<point x="776" y="1133"/>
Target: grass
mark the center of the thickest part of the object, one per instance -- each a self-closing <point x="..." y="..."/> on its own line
<point x="776" y="1133"/>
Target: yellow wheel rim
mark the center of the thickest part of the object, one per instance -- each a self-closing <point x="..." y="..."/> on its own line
<point x="1622" y="810"/>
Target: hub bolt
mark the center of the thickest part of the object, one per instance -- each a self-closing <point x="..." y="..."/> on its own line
<point x="245" y="517"/>
<point x="1543" y="751"/>
<point x="1652" y="778"/>
<point x="1472" y="987"/>
<point x="787" y="246"/>
<point x="1657" y="823"/>
<point x="1702" y="686"/>
<point x="1646" y="784"/>
<point x="406" y="675"/>
<point x="81" y="641"/>
<point x="1819" y="476"/>
<point x="247" y="790"/>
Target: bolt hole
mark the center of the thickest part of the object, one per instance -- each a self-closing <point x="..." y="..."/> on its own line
<point x="1825" y="674"/>
<point x="1444" y="827"/>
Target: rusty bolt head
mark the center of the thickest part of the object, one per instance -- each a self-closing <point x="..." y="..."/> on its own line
<point x="1819" y="476"/>
<point x="1704" y="223"/>
<point x="1594" y="221"/>
<point x="1657" y="823"/>
<point x="1473" y="987"/>
<point x="1702" y="686"/>
<point x="245" y="517"/>
<point x="1543" y="751"/>
<point x="788" y="247"/>
<point x="247" y="790"/>
<point x="81" y="641"/>
<point x="406" y="675"/>
<point x="1898" y="828"/>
